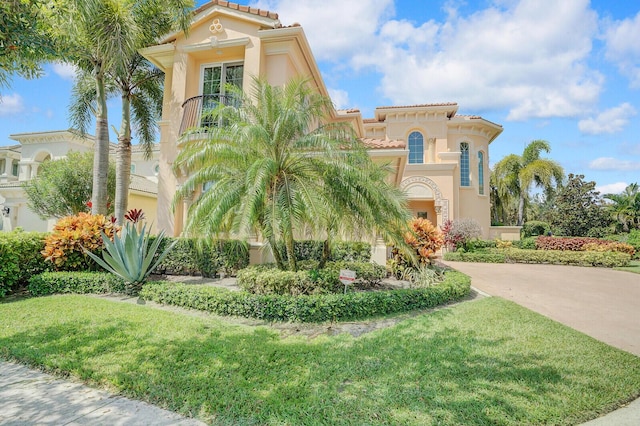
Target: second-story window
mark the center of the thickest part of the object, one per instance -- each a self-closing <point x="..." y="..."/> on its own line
<point x="416" y="148"/>
<point x="465" y="179"/>
<point x="15" y="168"/>
<point x="214" y="80"/>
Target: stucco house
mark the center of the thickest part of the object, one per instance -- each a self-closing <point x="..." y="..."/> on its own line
<point x="440" y="157"/>
<point x="20" y="162"/>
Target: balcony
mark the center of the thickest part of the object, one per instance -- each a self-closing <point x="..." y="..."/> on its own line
<point x="195" y="110"/>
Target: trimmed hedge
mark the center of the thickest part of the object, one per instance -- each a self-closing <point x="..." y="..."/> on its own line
<point x="20" y="258"/>
<point x="266" y="279"/>
<point x="476" y="256"/>
<point x="555" y="257"/>
<point x="349" y="251"/>
<point x="315" y="308"/>
<point x="75" y="282"/>
<point x="566" y="243"/>
<point x="196" y="257"/>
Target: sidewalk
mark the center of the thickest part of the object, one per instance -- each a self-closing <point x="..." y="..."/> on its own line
<point x="29" y="397"/>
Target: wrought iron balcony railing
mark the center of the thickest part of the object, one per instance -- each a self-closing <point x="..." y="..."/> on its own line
<point x="196" y="111"/>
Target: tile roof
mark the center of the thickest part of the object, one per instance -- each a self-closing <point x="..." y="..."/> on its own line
<point x="383" y="143"/>
<point x="141" y="183"/>
<point x="349" y="110"/>
<point x="372" y="120"/>
<point x="419" y="105"/>
<point x="236" y="6"/>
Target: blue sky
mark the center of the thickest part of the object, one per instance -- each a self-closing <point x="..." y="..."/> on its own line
<point x="564" y="71"/>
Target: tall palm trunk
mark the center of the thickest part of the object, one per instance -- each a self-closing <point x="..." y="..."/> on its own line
<point x="123" y="162"/>
<point x="521" y="210"/>
<point x="101" y="153"/>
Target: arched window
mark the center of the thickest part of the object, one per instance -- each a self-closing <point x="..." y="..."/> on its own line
<point x="480" y="173"/>
<point x="416" y="148"/>
<point x="464" y="164"/>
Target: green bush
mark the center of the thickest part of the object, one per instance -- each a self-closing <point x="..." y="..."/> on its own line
<point x="314" y="308"/>
<point x="576" y="258"/>
<point x="634" y="240"/>
<point x="533" y="228"/>
<point x="197" y="257"/>
<point x="75" y="282"/>
<point x="350" y="251"/>
<point x="266" y="279"/>
<point x="528" y="243"/>
<point x="476" y="256"/>
<point x="480" y="244"/>
<point x="20" y="258"/>
<point x="556" y="257"/>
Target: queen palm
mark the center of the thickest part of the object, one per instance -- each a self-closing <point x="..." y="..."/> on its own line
<point x="274" y="165"/>
<point x="515" y="174"/>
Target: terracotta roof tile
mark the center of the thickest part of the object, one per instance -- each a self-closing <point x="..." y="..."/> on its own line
<point x="236" y="6"/>
<point x="371" y="120"/>
<point x="383" y="143"/>
<point x="419" y="105"/>
<point x="349" y="110"/>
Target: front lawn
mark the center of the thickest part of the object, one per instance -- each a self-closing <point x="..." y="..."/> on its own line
<point x="634" y="266"/>
<point x="482" y="362"/>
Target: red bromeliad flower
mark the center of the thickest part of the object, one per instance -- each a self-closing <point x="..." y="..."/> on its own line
<point x="89" y="204"/>
<point x="134" y="215"/>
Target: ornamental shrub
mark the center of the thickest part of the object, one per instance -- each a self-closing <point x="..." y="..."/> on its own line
<point x="476" y="256"/>
<point x="533" y="228"/>
<point x="503" y="244"/>
<point x="75" y="282"/>
<point x="192" y="256"/>
<point x="312" y="308"/>
<point x="20" y="258"/>
<point x="610" y="246"/>
<point x="267" y="279"/>
<point x="64" y="246"/>
<point x="564" y="243"/>
<point x="459" y="233"/>
<point x="634" y="239"/>
<point x="576" y="258"/>
<point x="528" y="243"/>
<point x="350" y="251"/>
<point x="425" y="239"/>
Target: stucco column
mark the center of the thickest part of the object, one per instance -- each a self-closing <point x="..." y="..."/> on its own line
<point x="34" y="170"/>
<point x="8" y="163"/>
<point x="431" y="150"/>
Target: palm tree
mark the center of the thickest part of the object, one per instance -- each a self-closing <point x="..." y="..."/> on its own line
<point x="274" y="167"/>
<point x="139" y="85"/>
<point x="515" y="174"/>
<point x="97" y="35"/>
<point x="626" y="206"/>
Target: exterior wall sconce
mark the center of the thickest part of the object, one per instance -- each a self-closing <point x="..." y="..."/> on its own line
<point x="6" y="211"/>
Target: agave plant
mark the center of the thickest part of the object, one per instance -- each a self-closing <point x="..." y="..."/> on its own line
<point x="131" y="255"/>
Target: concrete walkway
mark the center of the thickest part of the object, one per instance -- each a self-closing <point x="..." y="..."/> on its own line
<point x="602" y="303"/>
<point x="29" y="397"/>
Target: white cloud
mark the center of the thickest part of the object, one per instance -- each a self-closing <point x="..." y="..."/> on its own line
<point x="64" y="70"/>
<point x="335" y="28"/>
<point x="521" y="55"/>
<point x="612" y="120"/>
<point x="339" y="97"/>
<point x="610" y="163"/>
<point x="612" y="188"/>
<point x="623" y="49"/>
<point x="11" y="104"/>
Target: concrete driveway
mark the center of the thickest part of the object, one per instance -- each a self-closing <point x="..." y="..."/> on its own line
<point x="600" y="302"/>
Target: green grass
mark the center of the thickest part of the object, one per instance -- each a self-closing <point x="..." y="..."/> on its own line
<point x="478" y="363"/>
<point x="634" y="266"/>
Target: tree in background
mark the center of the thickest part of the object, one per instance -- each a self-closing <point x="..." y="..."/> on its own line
<point x="275" y="167"/>
<point x="579" y="210"/>
<point x="24" y="42"/>
<point x="63" y="187"/>
<point x="625" y="207"/>
<point x="514" y="175"/>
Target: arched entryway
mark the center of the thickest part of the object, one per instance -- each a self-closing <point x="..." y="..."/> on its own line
<point x="425" y="199"/>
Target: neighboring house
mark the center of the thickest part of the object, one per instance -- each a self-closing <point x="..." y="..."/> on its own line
<point x="20" y="163"/>
<point x="440" y="158"/>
